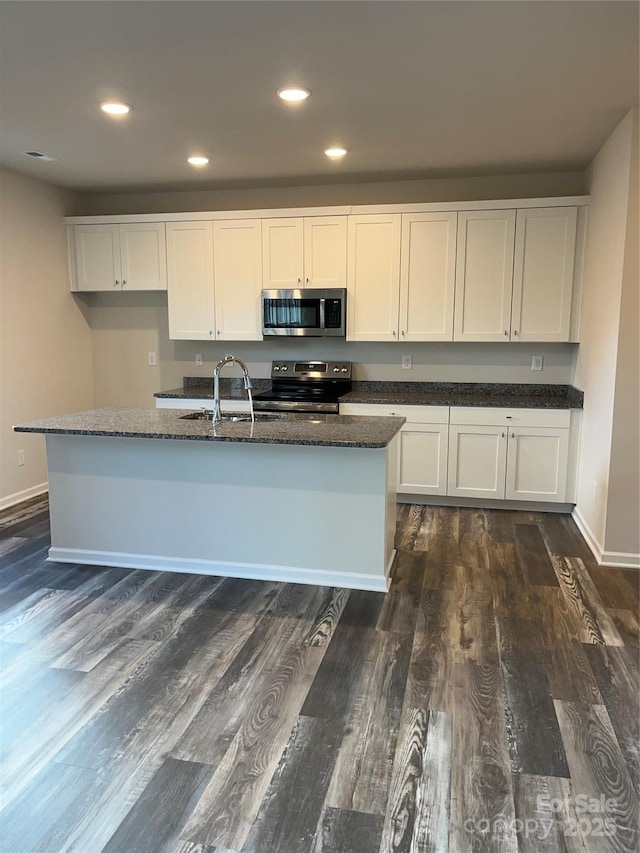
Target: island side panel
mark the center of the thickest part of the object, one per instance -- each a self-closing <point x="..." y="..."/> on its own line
<point x="286" y="512"/>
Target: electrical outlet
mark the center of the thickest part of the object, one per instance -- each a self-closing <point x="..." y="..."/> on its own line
<point x="537" y="362"/>
<point x="199" y="361"/>
<point x="407" y="362"/>
<point x="20" y="458"/>
<point x="151" y="359"/>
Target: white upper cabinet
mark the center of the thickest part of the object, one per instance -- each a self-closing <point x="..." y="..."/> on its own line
<point x="121" y="257"/>
<point x="543" y="273"/>
<point x="304" y="252"/>
<point x="237" y="262"/>
<point x="282" y="253"/>
<point x="427" y="276"/>
<point x="98" y="257"/>
<point x="373" y="278"/>
<point x="484" y="275"/>
<point x="325" y="251"/>
<point x="191" y="290"/>
<point x="514" y="274"/>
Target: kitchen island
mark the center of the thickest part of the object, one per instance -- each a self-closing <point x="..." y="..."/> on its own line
<point x="304" y="499"/>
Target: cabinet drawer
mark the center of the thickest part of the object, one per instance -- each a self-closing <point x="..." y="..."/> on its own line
<point x="510" y="417"/>
<point x="413" y="414"/>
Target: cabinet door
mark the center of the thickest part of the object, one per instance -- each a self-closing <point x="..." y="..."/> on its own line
<point x="477" y="461"/>
<point x="325" y="251"/>
<point x="282" y="253"/>
<point x="143" y="254"/>
<point x="190" y="279"/>
<point x="237" y="265"/>
<point x="423" y="459"/>
<point x="373" y="278"/>
<point x="427" y="276"/>
<point x="98" y="257"/>
<point x="543" y="274"/>
<point x="484" y="275"/>
<point x="537" y="464"/>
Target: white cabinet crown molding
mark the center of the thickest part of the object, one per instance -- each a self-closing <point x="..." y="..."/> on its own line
<point x="340" y="210"/>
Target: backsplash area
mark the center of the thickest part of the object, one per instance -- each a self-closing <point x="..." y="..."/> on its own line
<point x="126" y="327"/>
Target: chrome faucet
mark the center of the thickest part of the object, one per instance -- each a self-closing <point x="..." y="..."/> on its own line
<point x="229" y="359"/>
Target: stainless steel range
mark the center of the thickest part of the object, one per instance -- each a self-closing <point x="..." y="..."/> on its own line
<point x="305" y="386"/>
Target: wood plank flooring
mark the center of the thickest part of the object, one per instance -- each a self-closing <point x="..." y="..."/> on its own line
<point x="489" y="702"/>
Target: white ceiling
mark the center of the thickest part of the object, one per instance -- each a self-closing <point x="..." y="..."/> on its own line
<point x="412" y="89"/>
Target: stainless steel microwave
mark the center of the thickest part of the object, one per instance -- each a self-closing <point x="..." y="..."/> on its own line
<point x="308" y="312"/>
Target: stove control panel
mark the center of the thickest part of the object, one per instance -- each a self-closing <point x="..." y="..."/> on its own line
<point x="315" y="370"/>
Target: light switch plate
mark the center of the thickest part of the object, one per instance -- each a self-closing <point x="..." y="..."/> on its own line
<point x="537" y="362"/>
<point x="407" y="362"/>
<point x="199" y="361"/>
<point x="151" y="359"/>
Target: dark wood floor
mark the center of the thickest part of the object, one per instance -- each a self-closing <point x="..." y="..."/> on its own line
<point x="489" y="702"/>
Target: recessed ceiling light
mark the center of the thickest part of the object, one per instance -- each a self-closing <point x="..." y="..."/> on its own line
<point x="335" y="153"/>
<point x="114" y="108"/>
<point x="293" y="94"/>
<point x="198" y="161"/>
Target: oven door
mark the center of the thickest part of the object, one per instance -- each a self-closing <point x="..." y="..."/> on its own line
<point x="292" y="312"/>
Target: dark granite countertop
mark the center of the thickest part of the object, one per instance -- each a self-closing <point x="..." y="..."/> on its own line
<point x="201" y="388"/>
<point x="520" y="396"/>
<point x="314" y="430"/>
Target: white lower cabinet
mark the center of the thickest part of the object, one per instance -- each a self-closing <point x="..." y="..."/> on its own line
<point x="537" y="460"/>
<point x="422" y="451"/>
<point x="513" y="454"/>
<point x="477" y="461"/>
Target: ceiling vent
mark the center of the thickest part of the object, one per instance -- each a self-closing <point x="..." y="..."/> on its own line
<point x="39" y="156"/>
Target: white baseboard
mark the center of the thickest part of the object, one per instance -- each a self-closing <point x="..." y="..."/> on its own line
<point x="610" y="559"/>
<point x="286" y="574"/>
<point x="24" y="495"/>
<point x="620" y="559"/>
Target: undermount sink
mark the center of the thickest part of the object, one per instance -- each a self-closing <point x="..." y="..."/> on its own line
<point x="207" y="415"/>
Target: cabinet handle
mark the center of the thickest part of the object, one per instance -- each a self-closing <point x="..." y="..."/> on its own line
<point x="218" y="333"/>
<point x="506" y="333"/>
<point x="515" y="331"/>
<point x="513" y="435"/>
<point x="509" y="417"/>
<point x="299" y="282"/>
<point x="307" y="282"/>
<point x="394" y="333"/>
<point x="124" y="281"/>
<point x="403" y="333"/>
<point x="503" y="435"/>
<point x="210" y="332"/>
<point x="117" y="283"/>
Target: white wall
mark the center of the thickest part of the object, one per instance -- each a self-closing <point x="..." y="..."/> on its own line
<point x="45" y="340"/>
<point x="597" y="362"/>
<point x="622" y="534"/>
<point x="467" y="188"/>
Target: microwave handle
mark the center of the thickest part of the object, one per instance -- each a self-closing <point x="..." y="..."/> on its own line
<point x="322" y="324"/>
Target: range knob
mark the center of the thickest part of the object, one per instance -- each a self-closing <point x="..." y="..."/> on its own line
<point x="276" y="368"/>
<point x="344" y="370"/>
<point x="284" y="367"/>
<point x="336" y="370"/>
